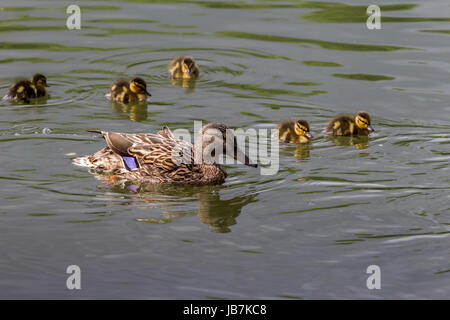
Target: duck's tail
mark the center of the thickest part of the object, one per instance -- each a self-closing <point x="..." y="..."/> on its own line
<point x="83" y="161"/>
<point x="95" y="131"/>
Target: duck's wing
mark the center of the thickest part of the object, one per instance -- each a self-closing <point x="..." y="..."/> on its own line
<point x="161" y="150"/>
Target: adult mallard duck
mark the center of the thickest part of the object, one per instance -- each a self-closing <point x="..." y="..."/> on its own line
<point x="162" y="158"/>
<point x="183" y="67"/>
<point x="126" y="91"/>
<point x="348" y="125"/>
<point x="24" y="90"/>
<point x="295" y="131"/>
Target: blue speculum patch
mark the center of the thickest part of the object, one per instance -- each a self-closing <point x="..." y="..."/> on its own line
<point x="130" y="163"/>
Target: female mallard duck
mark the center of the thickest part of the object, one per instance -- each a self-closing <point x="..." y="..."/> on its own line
<point x="348" y="125"/>
<point x="294" y="131"/>
<point x="183" y="67"/>
<point x="162" y="158"/>
<point x="129" y="91"/>
<point x="24" y="90"/>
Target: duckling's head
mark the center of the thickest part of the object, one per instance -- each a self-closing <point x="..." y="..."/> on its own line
<point x="362" y="120"/>
<point x="302" y="128"/>
<point x="39" y="80"/>
<point x="216" y="138"/>
<point x="187" y="67"/>
<point x="138" y="85"/>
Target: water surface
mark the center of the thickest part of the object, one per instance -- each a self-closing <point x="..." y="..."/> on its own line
<point x="310" y="231"/>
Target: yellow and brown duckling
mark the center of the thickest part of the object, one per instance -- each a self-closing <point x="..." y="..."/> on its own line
<point x="24" y="90"/>
<point x="183" y="67"/>
<point x="126" y="91"/>
<point x="294" y="131"/>
<point x="348" y="125"/>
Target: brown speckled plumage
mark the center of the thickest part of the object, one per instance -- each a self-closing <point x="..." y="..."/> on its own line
<point x="155" y="154"/>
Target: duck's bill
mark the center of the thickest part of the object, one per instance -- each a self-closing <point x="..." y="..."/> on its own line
<point x="242" y="157"/>
<point x="47" y="85"/>
<point x="309" y="135"/>
<point x="148" y="93"/>
<point x="370" y="128"/>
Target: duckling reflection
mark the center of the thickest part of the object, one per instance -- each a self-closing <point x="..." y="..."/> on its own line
<point x="188" y="84"/>
<point x="137" y="111"/>
<point x="300" y="150"/>
<point x="211" y="210"/>
<point x="359" y="142"/>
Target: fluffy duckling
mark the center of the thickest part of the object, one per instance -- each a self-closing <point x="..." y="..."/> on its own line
<point x="24" y="90"/>
<point x="129" y="91"/>
<point x="294" y="131"/>
<point x="348" y="125"/>
<point x="183" y="67"/>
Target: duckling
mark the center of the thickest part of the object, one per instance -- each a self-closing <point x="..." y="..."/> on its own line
<point x="183" y="67"/>
<point x="24" y="90"/>
<point x="129" y="91"/>
<point x="294" y="131"/>
<point x="348" y="125"/>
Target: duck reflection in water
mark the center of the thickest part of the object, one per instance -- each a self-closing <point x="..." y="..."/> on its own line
<point x="359" y="142"/>
<point x="137" y="111"/>
<point x="211" y="210"/>
<point x="188" y="84"/>
<point x="300" y="151"/>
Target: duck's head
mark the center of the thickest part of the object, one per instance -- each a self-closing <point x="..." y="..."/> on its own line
<point x="362" y="120"/>
<point x="187" y="67"/>
<point x="138" y="85"/>
<point x="302" y="128"/>
<point x="39" y="80"/>
<point x="215" y="139"/>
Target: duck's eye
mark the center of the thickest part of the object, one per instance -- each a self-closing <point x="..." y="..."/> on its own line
<point x="302" y="127"/>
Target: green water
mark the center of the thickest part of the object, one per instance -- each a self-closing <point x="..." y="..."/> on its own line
<point x="310" y="231"/>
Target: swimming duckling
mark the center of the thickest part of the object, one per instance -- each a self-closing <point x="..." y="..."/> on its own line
<point x="183" y="67"/>
<point x="348" y="125"/>
<point x="129" y="91"/>
<point x="24" y="90"/>
<point x="294" y="131"/>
